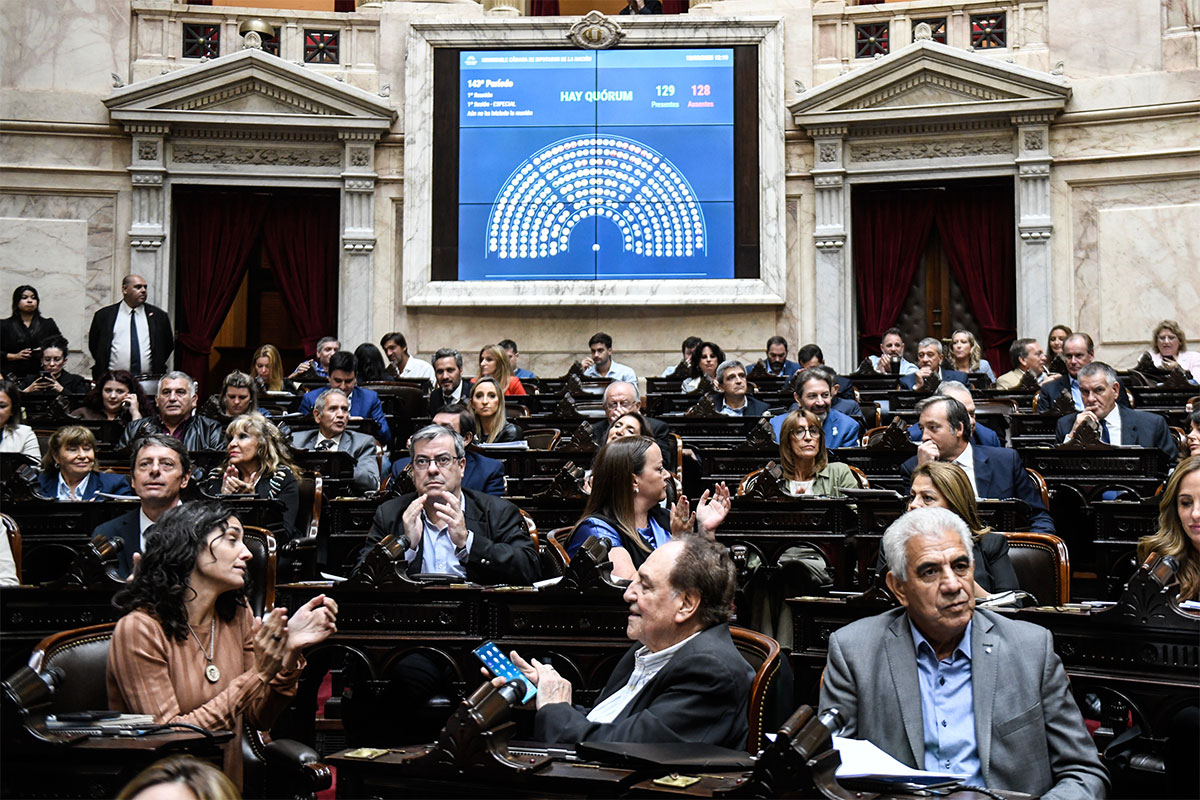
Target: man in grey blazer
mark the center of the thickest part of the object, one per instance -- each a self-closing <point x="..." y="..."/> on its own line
<point x="943" y="687"/>
<point x="332" y="412"/>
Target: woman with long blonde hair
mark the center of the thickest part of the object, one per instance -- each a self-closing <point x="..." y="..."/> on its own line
<point x="487" y="403"/>
<point x="268" y="367"/>
<point x="494" y="363"/>
<point x="967" y="356"/>
<point x="1178" y="532"/>
<point x="258" y="462"/>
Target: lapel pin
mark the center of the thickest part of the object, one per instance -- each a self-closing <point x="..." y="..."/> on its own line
<point x="987" y="649"/>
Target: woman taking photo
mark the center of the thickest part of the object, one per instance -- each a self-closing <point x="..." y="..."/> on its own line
<point x="15" y="437"/>
<point x="24" y="333"/>
<point x="944" y="485"/>
<point x="1179" y="527"/>
<point x="628" y="484"/>
<point x="189" y="648"/>
<point x="494" y="363"/>
<point x="705" y="360"/>
<point x="487" y="403"/>
<point x="70" y="471"/>
<point x="258" y="462"/>
<point x="807" y="469"/>
<point x="115" y="396"/>
<point x="268" y="367"/>
<point x="966" y="355"/>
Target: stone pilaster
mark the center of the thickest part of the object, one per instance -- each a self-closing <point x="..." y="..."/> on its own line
<point x="148" y="228"/>
<point x="358" y="238"/>
<point x="834" y="278"/>
<point x="1035" y="277"/>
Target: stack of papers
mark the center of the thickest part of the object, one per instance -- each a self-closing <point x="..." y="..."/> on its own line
<point x="863" y="760"/>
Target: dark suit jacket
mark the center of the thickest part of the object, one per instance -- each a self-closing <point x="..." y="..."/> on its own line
<point x="363" y="403"/>
<point x="700" y="696"/>
<point x="910" y="381"/>
<point x="847" y="406"/>
<point x="1138" y="429"/>
<point x="199" y="433"/>
<point x="502" y="550"/>
<point x="359" y="445"/>
<point x="1052" y="389"/>
<point x="660" y="430"/>
<point x="481" y="474"/>
<point x="1029" y="732"/>
<point x="1000" y="475"/>
<point x="15" y="337"/>
<point x="98" y="482"/>
<point x="983" y="435"/>
<point x="650" y="7"/>
<point x="280" y="486"/>
<point x="124" y="529"/>
<point x="754" y="407"/>
<point x="100" y="336"/>
<point x="437" y="399"/>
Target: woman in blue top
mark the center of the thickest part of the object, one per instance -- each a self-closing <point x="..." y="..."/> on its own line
<point x="628" y="484"/>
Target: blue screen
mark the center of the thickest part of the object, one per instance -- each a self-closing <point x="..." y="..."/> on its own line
<point x="595" y="164"/>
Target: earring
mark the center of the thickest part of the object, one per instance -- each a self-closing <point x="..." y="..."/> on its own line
<point x="635" y="489"/>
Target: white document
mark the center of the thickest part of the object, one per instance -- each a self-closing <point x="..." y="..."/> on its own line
<point x="862" y="759"/>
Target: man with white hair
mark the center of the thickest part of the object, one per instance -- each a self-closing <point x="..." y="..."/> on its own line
<point x="929" y="364"/>
<point x="942" y="686"/>
<point x="621" y="397"/>
<point x="176" y="400"/>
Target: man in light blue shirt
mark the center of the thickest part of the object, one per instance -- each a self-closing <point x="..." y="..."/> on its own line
<point x="892" y="346"/>
<point x="947" y="708"/>
<point x="600" y="364"/>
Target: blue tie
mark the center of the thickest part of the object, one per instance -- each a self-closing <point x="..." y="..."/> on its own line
<point x="1104" y="432"/>
<point x="135" y="347"/>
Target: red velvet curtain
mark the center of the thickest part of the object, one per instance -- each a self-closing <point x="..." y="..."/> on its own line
<point x="543" y="8"/>
<point x="300" y="236"/>
<point x="675" y="6"/>
<point x="976" y="226"/>
<point x="213" y="238"/>
<point x="891" y="229"/>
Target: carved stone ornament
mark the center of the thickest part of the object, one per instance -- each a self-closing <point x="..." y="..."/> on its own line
<point x="906" y="151"/>
<point x="147" y="151"/>
<point x="360" y="157"/>
<point x="1034" y="140"/>
<point x="252" y="41"/>
<point x="922" y="33"/>
<point x="595" y="31"/>
<point x="829" y="153"/>
<point x="271" y="156"/>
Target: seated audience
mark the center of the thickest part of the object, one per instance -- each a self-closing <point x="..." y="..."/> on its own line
<point x="777" y="363"/>
<point x="807" y="469"/>
<point x="937" y="484"/>
<point x="812" y="389"/>
<point x="891" y="357"/>
<point x="239" y="395"/>
<point x="268" y="370"/>
<point x="159" y="470"/>
<point x="600" y="363"/>
<point x="15" y="437"/>
<point x="1169" y="350"/>
<point x="331" y="412"/>
<point x="480" y="473"/>
<point x="980" y="434"/>
<point x="23" y="334"/>
<point x="70" y="470"/>
<point x="939" y="685"/>
<point x="175" y="402"/>
<point x="364" y="403"/>
<point x="451" y="530"/>
<point x="258" y="462"/>
<point x="1193" y="435"/>
<point x="116" y="395"/>
<point x="447" y="368"/>
<point x="54" y="376"/>
<point x="929" y="364"/>
<point x="493" y="363"/>
<point x="1178" y="532"/>
<point x="682" y="681"/>
<point x="370" y="363"/>
<point x="631" y="423"/>
<point x="491" y="419"/>
<point x="510" y="350"/>
<point x="967" y="356"/>
<point x="703" y="372"/>
<point x="642" y="7"/>
<point x="732" y="399"/>
<point x="620" y="398"/>
<point x="400" y="363"/>
<point x="685" y="363"/>
<point x="1078" y="352"/>
<point x="1055" y="340"/>
<point x="811" y="355"/>
<point x="180" y="777"/>
<point x="1028" y="356"/>
<point x="994" y="472"/>
<point x="318" y="366"/>
<point x="1126" y="427"/>
<point x="189" y="648"/>
<point x="628" y="484"/>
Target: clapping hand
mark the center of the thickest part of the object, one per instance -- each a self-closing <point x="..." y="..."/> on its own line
<point x="713" y="508"/>
<point x="682" y="517"/>
<point x="315" y="622"/>
<point x="270" y="643"/>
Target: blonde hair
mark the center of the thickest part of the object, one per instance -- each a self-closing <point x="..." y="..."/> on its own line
<point x="273" y="451"/>
<point x="1172" y="326"/>
<point x="504" y="372"/>
<point x="202" y="779"/>
<point x="275" y="370"/>
<point x="973" y="357"/>
<point x="1171" y="539"/>
<point x="954" y="486"/>
<point x="786" y="456"/>
<point x="499" y="420"/>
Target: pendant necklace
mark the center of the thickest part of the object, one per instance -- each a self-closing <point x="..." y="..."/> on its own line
<point x="211" y="672"/>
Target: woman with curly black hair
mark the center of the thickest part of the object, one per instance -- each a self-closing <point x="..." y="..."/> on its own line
<point x="189" y="649"/>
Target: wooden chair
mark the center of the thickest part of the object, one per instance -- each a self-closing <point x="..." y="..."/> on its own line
<point x="1043" y="566"/>
<point x="556" y="557"/>
<point x="1040" y="482"/>
<point x="513" y="409"/>
<point x="13" y="531"/>
<point x="747" y="481"/>
<point x="763" y="654"/>
<point x="678" y="457"/>
<point x="263" y="565"/>
<point x="1180" y="436"/>
<point x="542" y="438"/>
<point x="530" y="526"/>
<point x="860" y="476"/>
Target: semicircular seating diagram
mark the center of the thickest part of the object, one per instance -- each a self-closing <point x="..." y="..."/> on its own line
<point x="610" y="177"/>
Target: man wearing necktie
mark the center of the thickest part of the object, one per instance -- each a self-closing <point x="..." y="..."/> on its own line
<point x="331" y="412"/>
<point x="1078" y="351"/>
<point x="132" y="334"/>
<point x="1117" y="425"/>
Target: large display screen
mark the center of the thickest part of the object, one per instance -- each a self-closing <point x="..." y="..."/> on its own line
<point x="613" y="164"/>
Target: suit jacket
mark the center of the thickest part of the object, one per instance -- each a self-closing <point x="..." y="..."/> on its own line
<point x="437" y="399"/>
<point x="1029" y="731"/>
<point x="983" y="435"/>
<point x="660" y="430"/>
<point x="753" y="408"/>
<point x="700" y="696"/>
<point x="1138" y="429"/>
<point x="125" y="528"/>
<point x="15" y="337"/>
<point x="359" y="445"/>
<point x="840" y="430"/>
<point x="501" y="552"/>
<point x="105" y="482"/>
<point x="100" y="336"/>
<point x="999" y="475"/>
<point x="909" y="381"/>
<point x="788" y="369"/>
<point x="363" y="403"/>
<point x="199" y="433"/>
<point x="847" y="406"/>
<point x="481" y="474"/>
<point x="1052" y="389"/>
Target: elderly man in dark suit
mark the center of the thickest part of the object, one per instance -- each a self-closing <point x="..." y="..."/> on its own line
<point x="132" y="334"/>
<point x="1078" y="351"/>
<point x="733" y="400"/>
<point x="1116" y="424"/>
<point x="481" y="473"/>
<point x="332" y="412"/>
<point x="941" y="686"/>
<point x="929" y="364"/>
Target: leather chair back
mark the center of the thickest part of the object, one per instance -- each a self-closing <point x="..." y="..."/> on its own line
<point x="555" y="559"/>
<point x="263" y="563"/>
<point x="13" y="531"/>
<point x="1042" y="565"/>
<point x="762" y="653"/>
<point x="81" y="655"/>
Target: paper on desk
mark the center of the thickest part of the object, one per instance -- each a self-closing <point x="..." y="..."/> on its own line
<point x="862" y="759"/>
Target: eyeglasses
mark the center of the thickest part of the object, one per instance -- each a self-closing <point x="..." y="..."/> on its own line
<point x="806" y="433"/>
<point x="621" y="404"/>
<point x="421" y="463"/>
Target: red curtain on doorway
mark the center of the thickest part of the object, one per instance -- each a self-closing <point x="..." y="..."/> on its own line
<point x="543" y="8"/>
<point x="300" y="237"/>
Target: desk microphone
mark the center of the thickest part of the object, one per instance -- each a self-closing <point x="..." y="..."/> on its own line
<point x="832" y="719"/>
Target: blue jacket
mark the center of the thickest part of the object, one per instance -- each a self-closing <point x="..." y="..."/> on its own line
<point x="983" y="435"/>
<point x="840" y="430"/>
<point x="1000" y="475"/>
<point x="105" y="482"/>
<point x="523" y="373"/>
<point x="363" y="403"/>
<point x="790" y="368"/>
<point x="481" y="473"/>
<point x="909" y="381"/>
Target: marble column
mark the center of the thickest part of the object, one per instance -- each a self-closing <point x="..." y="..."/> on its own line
<point x="836" y="328"/>
<point x="355" y="301"/>
<point x="1035" y="277"/>
<point x="148" y="254"/>
<point x="502" y="8"/>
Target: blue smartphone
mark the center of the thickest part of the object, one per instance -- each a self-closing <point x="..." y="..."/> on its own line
<point x="502" y="666"/>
